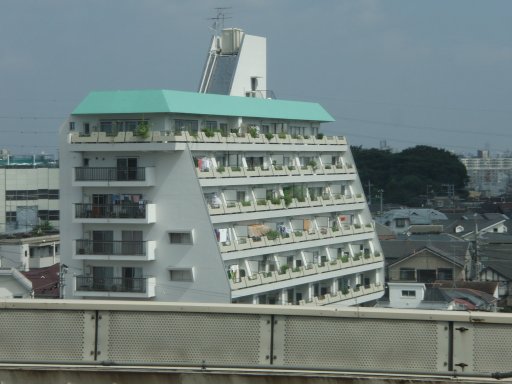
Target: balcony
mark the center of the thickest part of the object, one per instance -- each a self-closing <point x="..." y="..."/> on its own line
<point x="204" y="137"/>
<point x="272" y="238"/>
<point x="342" y="295"/>
<point x="121" y="287"/>
<point x="115" y="213"/>
<point x="114" y="177"/>
<point x="86" y="249"/>
<point x="278" y="170"/>
<point x="287" y="273"/>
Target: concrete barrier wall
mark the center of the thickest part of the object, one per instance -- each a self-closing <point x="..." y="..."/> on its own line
<point x="267" y="337"/>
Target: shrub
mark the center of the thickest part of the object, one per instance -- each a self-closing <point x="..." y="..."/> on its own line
<point x="281" y="135"/>
<point x="269" y="136"/>
<point x="253" y="132"/>
<point x="319" y="136"/>
<point x="142" y="130"/>
<point x="261" y="202"/>
<point x="221" y="169"/>
<point x="272" y="235"/>
<point x="208" y="132"/>
<point x="275" y="200"/>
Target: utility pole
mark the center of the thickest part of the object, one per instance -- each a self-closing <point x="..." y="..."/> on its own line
<point x="62" y="279"/>
<point x="369" y="193"/>
<point x="450" y="191"/>
<point x="475" y="257"/>
<point x="381" y="194"/>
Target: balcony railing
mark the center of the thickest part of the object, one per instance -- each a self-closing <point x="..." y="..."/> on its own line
<point x="110" y="174"/>
<point x="229" y="172"/>
<point x="243" y="242"/>
<point x="202" y="137"/>
<point x="110" y="211"/>
<point x="264" y="205"/>
<point x="261" y="278"/>
<point x="111" y="284"/>
<point x="93" y="247"/>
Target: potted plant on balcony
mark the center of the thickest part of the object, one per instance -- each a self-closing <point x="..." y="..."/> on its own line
<point x="142" y="129"/>
<point x="272" y="235"/>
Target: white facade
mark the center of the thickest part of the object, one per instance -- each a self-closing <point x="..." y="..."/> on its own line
<point x="406" y="295"/>
<point x="29" y="196"/>
<point x="26" y="253"/>
<point x="491" y="176"/>
<point x="236" y="65"/>
<point x="13" y="285"/>
<point x="214" y="214"/>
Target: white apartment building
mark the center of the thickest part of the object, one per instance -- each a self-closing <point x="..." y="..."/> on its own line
<point x="491" y="176"/>
<point x="180" y="196"/>
<point x="224" y="195"/>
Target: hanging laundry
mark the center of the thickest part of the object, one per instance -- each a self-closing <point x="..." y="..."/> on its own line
<point x="223" y="235"/>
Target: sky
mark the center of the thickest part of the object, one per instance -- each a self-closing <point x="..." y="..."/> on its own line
<point x="406" y="72"/>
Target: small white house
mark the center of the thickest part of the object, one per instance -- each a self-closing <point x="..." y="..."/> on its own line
<point x="13" y="285"/>
<point x="406" y="295"/>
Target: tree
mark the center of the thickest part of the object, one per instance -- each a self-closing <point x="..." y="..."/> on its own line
<point x="406" y="175"/>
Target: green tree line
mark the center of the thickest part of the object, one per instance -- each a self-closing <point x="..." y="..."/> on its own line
<point x="405" y="176"/>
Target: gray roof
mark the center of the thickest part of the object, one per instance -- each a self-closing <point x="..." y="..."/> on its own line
<point x="415" y="215"/>
<point x="466" y="223"/>
<point x="396" y="250"/>
<point x="501" y="267"/>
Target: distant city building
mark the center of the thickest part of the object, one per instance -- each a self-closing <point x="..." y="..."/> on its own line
<point x="489" y="176"/>
<point x="29" y="192"/>
<point x="25" y="252"/>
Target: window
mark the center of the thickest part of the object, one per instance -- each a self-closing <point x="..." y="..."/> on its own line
<point x="45" y="215"/>
<point x="48" y="194"/>
<point x="408" y="293"/>
<point x="400" y="223"/>
<point x="21" y="194"/>
<point x="445" y="273"/>
<point x="210" y="125"/>
<point x="407" y="274"/>
<point x="87" y="129"/>
<point x="71" y="125"/>
<point x="181" y="274"/>
<point x="181" y="237"/>
<point x="186" y="125"/>
<point x="10" y="216"/>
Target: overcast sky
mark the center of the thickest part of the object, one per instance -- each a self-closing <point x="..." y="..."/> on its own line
<point x="433" y="72"/>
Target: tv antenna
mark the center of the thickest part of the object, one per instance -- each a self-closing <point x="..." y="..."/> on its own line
<point x="219" y="19"/>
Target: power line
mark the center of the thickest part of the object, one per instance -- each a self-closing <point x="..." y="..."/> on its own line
<point x="33" y="117"/>
<point x="423" y="127"/>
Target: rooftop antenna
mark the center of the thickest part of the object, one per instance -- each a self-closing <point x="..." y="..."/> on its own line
<point x="219" y="19"/>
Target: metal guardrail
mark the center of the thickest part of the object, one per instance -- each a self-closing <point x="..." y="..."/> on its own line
<point x="403" y="342"/>
<point x="108" y="211"/>
<point x="110" y="174"/>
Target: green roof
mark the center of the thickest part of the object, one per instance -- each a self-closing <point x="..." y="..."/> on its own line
<point x="165" y="101"/>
